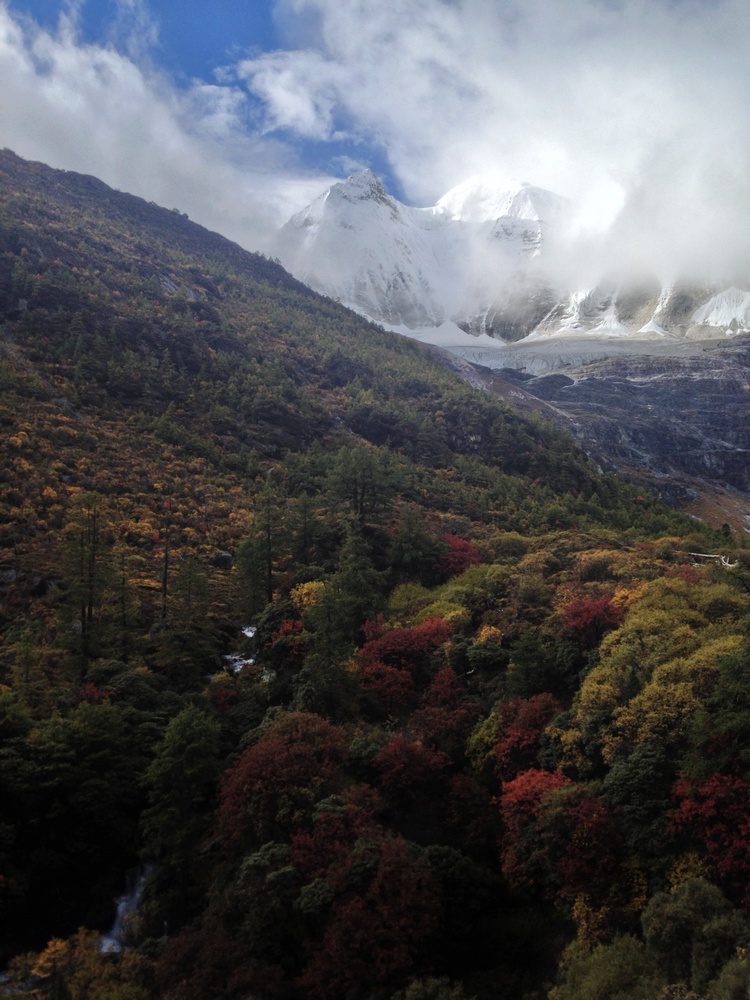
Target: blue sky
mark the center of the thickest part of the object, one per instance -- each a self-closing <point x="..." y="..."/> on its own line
<point x="241" y="111"/>
<point x="194" y="38"/>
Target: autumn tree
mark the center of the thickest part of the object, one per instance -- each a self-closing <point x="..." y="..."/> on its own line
<point x="588" y="619"/>
<point x="382" y="916"/>
<point x="578" y="853"/>
<point x="521" y="722"/>
<point x="715" y="816"/>
<point x="446" y="715"/>
<point x="408" y="648"/>
<point x="521" y="803"/>
<point x="273" y="786"/>
<point x="457" y="557"/>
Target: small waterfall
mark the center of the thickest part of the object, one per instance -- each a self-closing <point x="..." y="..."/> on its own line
<point x="234" y="662"/>
<point x="127" y="906"/>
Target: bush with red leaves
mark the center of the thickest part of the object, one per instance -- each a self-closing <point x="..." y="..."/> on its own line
<point x="407" y="648"/>
<point x="459" y="557"/>
<point x="588" y="619"/>
<point x="273" y="787"/>
<point x="522" y="722"/>
<point x="384" y="912"/>
<point x="715" y="817"/>
<point x="520" y="805"/>
<point x="390" y="687"/>
<point x="404" y="764"/>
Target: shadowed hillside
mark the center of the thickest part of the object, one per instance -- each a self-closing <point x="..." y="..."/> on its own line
<point x="480" y="704"/>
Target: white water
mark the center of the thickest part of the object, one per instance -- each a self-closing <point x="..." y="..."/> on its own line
<point x="234" y="662"/>
<point x="127" y="906"/>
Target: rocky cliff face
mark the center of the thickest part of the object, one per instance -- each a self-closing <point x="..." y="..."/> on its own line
<point x="679" y="423"/>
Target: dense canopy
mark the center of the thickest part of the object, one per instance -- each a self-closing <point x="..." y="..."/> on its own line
<point x="383" y="689"/>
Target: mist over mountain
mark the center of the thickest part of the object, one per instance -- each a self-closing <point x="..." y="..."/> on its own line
<point x="644" y="364"/>
<point x="419" y="267"/>
<point x="504" y="262"/>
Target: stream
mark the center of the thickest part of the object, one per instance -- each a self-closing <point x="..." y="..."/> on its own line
<point x="234" y="662"/>
<point x="116" y="939"/>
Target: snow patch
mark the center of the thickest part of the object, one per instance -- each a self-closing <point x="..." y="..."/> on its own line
<point x="610" y="326"/>
<point x="730" y="309"/>
<point x="652" y="327"/>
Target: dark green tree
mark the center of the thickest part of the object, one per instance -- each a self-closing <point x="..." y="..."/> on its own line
<point x="364" y="481"/>
<point x="623" y="970"/>
<point x="180" y="784"/>
<point x="87" y="574"/>
<point x="638" y="786"/>
<point x="413" y="551"/>
<point x="352" y="596"/>
<point x="693" y="932"/>
<point x="258" y="556"/>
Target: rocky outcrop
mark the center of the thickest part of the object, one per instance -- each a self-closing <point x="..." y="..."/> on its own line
<point x="677" y="423"/>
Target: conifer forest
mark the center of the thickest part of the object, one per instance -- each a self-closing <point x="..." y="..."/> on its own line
<point x="374" y="688"/>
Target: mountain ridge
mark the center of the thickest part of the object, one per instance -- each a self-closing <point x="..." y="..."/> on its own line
<point x="487" y="258"/>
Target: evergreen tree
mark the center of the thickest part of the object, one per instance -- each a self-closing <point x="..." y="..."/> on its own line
<point x="180" y="785"/>
<point x="259" y="554"/>
<point x="87" y="571"/>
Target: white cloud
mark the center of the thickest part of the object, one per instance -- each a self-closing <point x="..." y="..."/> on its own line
<point x="104" y="111"/>
<point x="281" y="81"/>
<point x="643" y="104"/>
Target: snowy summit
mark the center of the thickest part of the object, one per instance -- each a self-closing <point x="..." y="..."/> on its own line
<point x="481" y="263"/>
<point x="416" y="267"/>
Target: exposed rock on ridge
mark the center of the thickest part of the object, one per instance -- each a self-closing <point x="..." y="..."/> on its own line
<point x="677" y="425"/>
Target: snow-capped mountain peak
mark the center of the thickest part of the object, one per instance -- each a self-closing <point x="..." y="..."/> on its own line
<point x="478" y="262"/>
<point x="487" y="198"/>
<point x="344" y="202"/>
<point x="362" y="186"/>
<point x="362" y="194"/>
<point x="416" y="266"/>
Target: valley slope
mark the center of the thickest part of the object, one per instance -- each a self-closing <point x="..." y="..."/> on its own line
<point x="379" y="685"/>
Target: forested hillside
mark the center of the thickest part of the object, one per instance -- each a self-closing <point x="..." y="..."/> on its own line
<point x="484" y="727"/>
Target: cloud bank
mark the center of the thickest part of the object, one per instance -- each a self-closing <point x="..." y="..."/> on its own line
<point x="638" y="110"/>
<point x="108" y="110"/>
